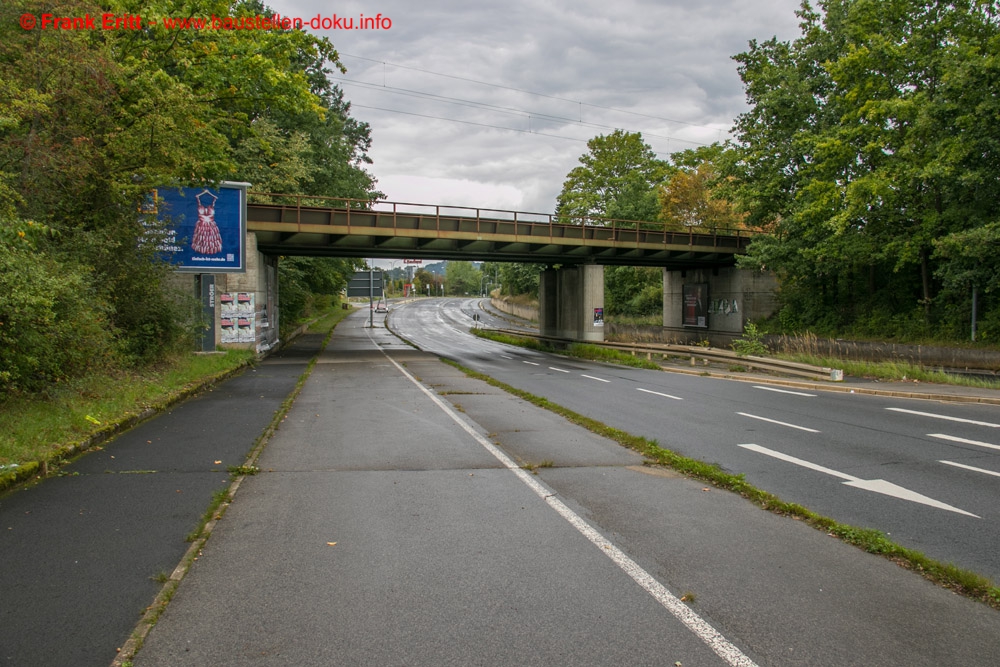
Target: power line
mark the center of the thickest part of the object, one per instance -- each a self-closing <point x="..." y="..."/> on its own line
<point x="530" y="92"/>
<point x="496" y="108"/>
<point x="498" y="127"/>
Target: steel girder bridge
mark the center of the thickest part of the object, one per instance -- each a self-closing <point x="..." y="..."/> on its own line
<point x="317" y="226"/>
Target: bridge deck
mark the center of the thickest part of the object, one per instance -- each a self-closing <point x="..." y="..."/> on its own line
<point x="417" y="231"/>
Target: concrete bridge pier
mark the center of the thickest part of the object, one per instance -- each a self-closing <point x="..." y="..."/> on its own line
<point x="720" y="300"/>
<point x="571" y="302"/>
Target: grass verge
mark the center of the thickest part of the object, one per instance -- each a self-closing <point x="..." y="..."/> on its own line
<point x="889" y="370"/>
<point x="961" y="581"/>
<point x="578" y="350"/>
<point x="40" y="431"/>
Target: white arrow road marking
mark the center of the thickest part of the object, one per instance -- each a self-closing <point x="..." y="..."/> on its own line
<point x="876" y="485"/>
<point x="784" y="391"/>
<point x="775" y="421"/>
<point x="962" y="465"/>
<point x="953" y="419"/>
<point x="676" y="398"/>
<point x="962" y="440"/>
<point x="591" y="377"/>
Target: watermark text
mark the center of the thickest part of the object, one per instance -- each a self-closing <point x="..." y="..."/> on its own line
<point x="110" y="21"/>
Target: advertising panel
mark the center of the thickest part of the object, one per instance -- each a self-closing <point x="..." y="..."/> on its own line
<point x="200" y="230"/>
<point x="695" y="306"/>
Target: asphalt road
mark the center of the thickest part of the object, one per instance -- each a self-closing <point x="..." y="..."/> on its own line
<point x="394" y="523"/>
<point x="926" y="473"/>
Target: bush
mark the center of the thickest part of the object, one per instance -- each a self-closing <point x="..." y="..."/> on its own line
<point x="52" y="326"/>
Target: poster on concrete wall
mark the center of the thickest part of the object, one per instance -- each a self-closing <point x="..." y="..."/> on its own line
<point x="695" y="306"/>
<point x="238" y="317"/>
<point x="199" y="230"/>
<point x="598" y="317"/>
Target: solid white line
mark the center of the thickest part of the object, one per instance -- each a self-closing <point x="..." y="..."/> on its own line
<point x="962" y="440"/>
<point x="532" y="363"/>
<point x="784" y="391"/>
<point x="953" y="419"/>
<point x="695" y="623"/>
<point x="775" y="421"/>
<point x="962" y="465"/>
<point x="591" y="377"/>
<point x="561" y="370"/>
<point x="647" y="391"/>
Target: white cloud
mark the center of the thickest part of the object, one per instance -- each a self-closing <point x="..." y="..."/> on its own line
<point x="667" y="62"/>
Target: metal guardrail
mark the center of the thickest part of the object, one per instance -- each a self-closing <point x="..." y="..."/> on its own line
<point x="695" y="352"/>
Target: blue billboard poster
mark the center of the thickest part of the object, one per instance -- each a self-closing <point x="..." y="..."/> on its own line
<point x="204" y="228"/>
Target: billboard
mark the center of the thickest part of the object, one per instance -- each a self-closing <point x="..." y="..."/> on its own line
<point x="695" y="306"/>
<point x="200" y="230"/>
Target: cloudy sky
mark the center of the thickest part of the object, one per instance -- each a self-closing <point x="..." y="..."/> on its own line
<point x="490" y="104"/>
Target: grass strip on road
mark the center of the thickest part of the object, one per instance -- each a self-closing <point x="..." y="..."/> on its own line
<point x="961" y="581"/>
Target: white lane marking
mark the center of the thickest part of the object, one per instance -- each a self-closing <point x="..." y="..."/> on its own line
<point x="656" y="393"/>
<point x="591" y="377"/>
<point x="876" y="485"/>
<point x="953" y="419"/>
<point x="962" y="465"/>
<point x="783" y="391"/>
<point x="695" y="623"/>
<point x="561" y="370"/>
<point x="504" y="356"/>
<point x="775" y="421"/>
<point x="962" y="440"/>
<point x="532" y="363"/>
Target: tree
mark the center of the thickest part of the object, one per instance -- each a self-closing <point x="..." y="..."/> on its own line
<point x="462" y="278"/>
<point x="91" y="120"/>
<point x="617" y="178"/>
<point x="691" y="197"/>
<point x="850" y="154"/>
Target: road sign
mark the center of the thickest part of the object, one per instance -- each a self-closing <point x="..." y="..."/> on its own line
<point x="365" y="283"/>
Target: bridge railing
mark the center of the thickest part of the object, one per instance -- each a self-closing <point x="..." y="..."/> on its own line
<point x="609" y="228"/>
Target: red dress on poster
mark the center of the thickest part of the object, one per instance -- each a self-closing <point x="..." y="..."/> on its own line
<point x="207" y="240"/>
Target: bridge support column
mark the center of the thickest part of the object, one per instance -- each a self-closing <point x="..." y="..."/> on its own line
<point x="571" y="302"/>
<point x="697" y="302"/>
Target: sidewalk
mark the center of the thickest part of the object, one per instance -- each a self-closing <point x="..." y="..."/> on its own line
<point x="81" y="552"/>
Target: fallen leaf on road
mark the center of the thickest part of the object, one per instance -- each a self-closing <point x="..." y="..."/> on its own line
<point x="330" y="544"/>
<point x="218" y="462"/>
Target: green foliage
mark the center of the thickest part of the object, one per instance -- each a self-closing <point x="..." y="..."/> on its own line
<point x="752" y="342"/>
<point x="693" y="194"/>
<point x="519" y="279"/>
<point x="303" y="280"/>
<point x="90" y="120"/>
<point x="617" y="178"/>
<point x="462" y="278"/>
<point x="51" y="327"/>
<point x="869" y="151"/>
<point x="633" y="291"/>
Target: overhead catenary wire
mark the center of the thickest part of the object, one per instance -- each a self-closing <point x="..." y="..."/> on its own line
<point x="580" y="103"/>
<point x="506" y="110"/>
<point x="499" y="109"/>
